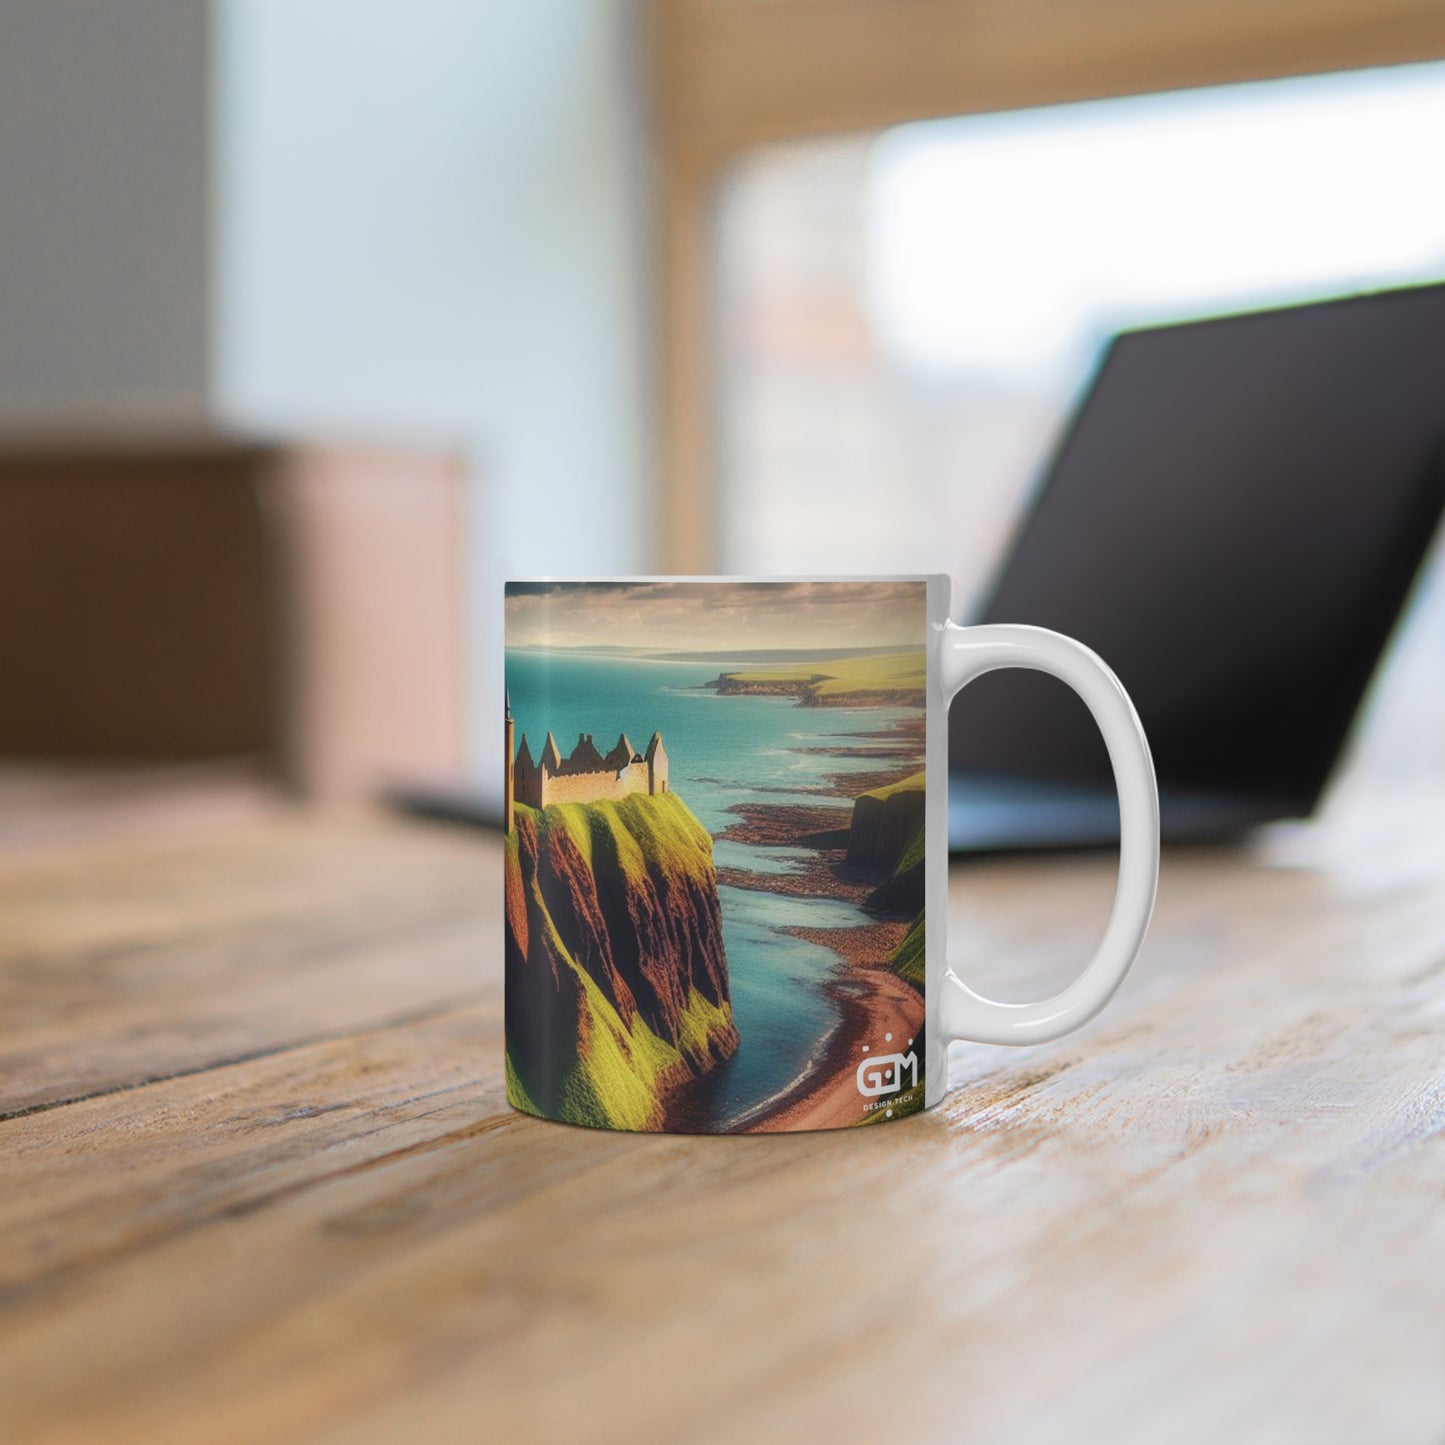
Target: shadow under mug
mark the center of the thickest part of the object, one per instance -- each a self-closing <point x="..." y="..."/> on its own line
<point x="726" y="900"/>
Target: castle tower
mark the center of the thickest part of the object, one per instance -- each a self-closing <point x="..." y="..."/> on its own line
<point x="509" y="790"/>
<point x="656" y="765"/>
<point x="526" y="778"/>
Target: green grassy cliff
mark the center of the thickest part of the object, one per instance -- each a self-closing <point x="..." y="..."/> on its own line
<point x="887" y="831"/>
<point x="617" y="984"/>
<point x="908" y="958"/>
<point x="898" y="678"/>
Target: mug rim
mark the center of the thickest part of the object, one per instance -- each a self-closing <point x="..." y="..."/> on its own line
<point x="650" y="578"/>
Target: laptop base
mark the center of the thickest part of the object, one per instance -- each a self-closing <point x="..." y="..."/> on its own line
<point x="1006" y="815"/>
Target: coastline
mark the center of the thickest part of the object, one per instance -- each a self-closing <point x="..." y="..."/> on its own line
<point x="821" y="830"/>
<point x="873" y="1002"/>
<point x="807" y="691"/>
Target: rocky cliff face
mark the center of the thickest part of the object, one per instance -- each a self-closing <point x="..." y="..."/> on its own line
<point x="809" y="691"/>
<point x="617" y="982"/>
<point x="883" y="823"/>
<point x="728" y="684"/>
<point x="887" y="832"/>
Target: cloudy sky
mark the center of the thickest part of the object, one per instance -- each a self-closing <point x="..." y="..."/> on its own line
<point x="716" y="616"/>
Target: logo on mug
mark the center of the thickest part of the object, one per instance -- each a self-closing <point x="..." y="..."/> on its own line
<point x="884" y="1075"/>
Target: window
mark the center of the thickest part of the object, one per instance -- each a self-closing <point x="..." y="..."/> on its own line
<point x="905" y="319"/>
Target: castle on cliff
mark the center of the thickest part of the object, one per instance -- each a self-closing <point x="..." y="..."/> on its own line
<point x="585" y="777"/>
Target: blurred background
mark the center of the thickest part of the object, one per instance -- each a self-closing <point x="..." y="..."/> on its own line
<point x="318" y="320"/>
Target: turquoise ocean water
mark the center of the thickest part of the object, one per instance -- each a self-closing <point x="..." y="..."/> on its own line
<point x="722" y="751"/>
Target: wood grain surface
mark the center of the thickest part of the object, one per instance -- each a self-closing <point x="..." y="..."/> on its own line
<point x="258" y="1179"/>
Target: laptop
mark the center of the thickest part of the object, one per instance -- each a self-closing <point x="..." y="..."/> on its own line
<point x="1233" y="521"/>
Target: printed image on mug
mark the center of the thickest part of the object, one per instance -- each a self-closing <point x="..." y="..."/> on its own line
<point x="715" y="877"/>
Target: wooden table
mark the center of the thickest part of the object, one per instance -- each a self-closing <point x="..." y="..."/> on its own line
<point x="258" y="1180"/>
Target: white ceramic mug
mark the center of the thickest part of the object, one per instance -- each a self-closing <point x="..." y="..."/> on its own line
<point x="726" y="890"/>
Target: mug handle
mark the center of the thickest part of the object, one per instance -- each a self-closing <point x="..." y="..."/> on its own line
<point x="968" y="652"/>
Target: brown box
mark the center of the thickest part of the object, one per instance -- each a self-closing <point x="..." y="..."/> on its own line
<point x="208" y="598"/>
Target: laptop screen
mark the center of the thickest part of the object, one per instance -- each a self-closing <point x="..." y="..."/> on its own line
<point x="1232" y="522"/>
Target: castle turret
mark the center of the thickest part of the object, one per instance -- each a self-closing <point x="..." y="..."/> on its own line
<point x="585" y="757"/>
<point x="509" y="786"/>
<point x="587" y="776"/>
<point x="621" y="755"/>
<point x="656" y="765"/>
<point x="526" y="778"/>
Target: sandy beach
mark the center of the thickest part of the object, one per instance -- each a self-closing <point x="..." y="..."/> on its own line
<point x="874" y="1003"/>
